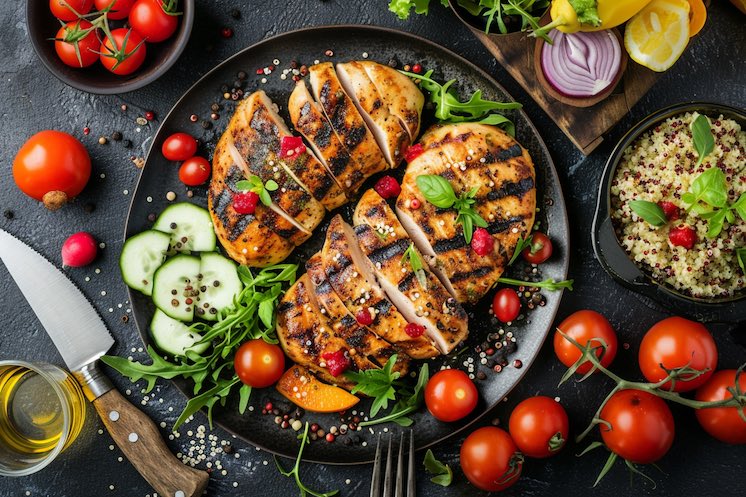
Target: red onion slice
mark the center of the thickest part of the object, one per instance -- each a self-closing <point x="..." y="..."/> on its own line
<point x="581" y="64"/>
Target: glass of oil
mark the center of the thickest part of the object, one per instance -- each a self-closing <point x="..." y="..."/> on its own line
<point x="42" y="410"/>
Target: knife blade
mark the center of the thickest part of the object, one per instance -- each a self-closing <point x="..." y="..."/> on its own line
<point x="81" y="337"/>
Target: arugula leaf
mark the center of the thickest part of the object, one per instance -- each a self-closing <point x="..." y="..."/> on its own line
<point x="409" y="402"/>
<point x="376" y="383"/>
<point x="403" y="8"/>
<point x="704" y="142"/>
<point x="549" y="283"/>
<point x="522" y="244"/>
<point x="500" y="121"/>
<point x="415" y="262"/>
<point x="443" y="473"/>
<point x="650" y="212"/>
<point x="295" y="472"/>
<point x="741" y="256"/>
<point x="587" y="11"/>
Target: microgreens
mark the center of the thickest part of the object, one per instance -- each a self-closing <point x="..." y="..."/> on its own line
<point x="415" y="262"/>
<point x="439" y="192"/>
<point x="522" y="244"/>
<point x="295" y="472"/>
<point x="549" y="283"/>
<point x="254" y="184"/>
<point x="443" y="473"/>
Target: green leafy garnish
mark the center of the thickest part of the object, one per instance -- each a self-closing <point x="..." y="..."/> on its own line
<point x="254" y="184"/>
<point x="650" y="212"/>
<point x="443" y="473"/>
<point x="708" y="197"/>
<point x="741" y="256"/>
<point x="439" y="192"/>
<point x="522" y="244"/>
<point x="704" y="142"/>
<point x="415" y="262"/>
<point x="295" y="472"/>
<point x="251" y="316"/>
<point x="403" y="8"/>
<point x="410" y="401"/>
<point x="587" y="11"/>
<point x="376" y="383"/>
<point x="549" y="283"/>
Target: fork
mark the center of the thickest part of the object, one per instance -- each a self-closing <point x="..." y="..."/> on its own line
<point x="390" y="476"/>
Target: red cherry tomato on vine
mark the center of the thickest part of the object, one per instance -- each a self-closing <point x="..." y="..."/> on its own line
<point x="539" y="426"/>
<point x="674" y="343"/>
<point x="128" y="54"/>
<point x="641" y="426"/>
<point x="450" y="395"/>
<point x="723" y="423"/>
<point x="61" y="9"/>
<point x="194" y="171"/>
<point x="150" y="19"/>
<point x="179" y="147"/>
<point x="539" y="250"/>
<point x="120" y="9"/>
<point x="490" y="459"/>
<point x="506" y="305"/>
<point x="74" y="34"/>
<point x="583" y="326"/>
<point x="259" y="364"/>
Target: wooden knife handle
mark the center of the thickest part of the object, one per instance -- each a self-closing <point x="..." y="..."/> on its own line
<point x="139" y="439"/>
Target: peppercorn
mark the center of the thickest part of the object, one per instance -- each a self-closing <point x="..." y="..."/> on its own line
<point x="127" y="144"/>
<point x="124" y="107"/>
<point x="303" y="70"/>
<point x="86" y="130"/>
<point x="102" y="140"/>
<point x="228" y="449"/>
<point x="150" y="115"/>
<point x="329" y="437"/>
<point x="329" y="53"/>
<point x="226" y="32"/>
<point x="417" y="68"/>
<point x="116" y="136"/>
<point x="241" y="75"/>
<point x="215" y="107"/>
<point x="293" y="64"/>
<point x="393" y="63"/>
<point x="206" y="124"/>
<point x="235" y="14"/>
<point x="125" y="319"/>
<point x="194" y="118"/>
<point x="8" y="214"/>
<point x="518" y="364"/>
<point x="237" y="83"/>
<point x="314" y="427"/>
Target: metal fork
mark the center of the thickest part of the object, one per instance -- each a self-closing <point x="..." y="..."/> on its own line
<point x="390" y="476"/>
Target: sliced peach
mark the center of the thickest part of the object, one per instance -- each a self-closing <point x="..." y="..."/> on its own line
<point x="304" y="390"/>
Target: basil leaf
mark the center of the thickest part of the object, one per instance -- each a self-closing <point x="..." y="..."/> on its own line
<point x="436" y="190"/>
<point x="741" y="256"/>
<point x="243" y="185"/>
<point x="704" y="142"/>
<point x="587" y="11"/>
<point x="715" y="223"/>
<point x="740" y="206"/>
<point x="710" y="187"/>
<point x="443" y="474"/>
<point x="650" y="212"/>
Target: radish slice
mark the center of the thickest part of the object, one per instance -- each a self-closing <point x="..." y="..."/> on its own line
<point x="581" y="64"/>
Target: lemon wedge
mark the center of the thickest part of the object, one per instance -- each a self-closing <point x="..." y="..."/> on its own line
<point x="657" y="35"/>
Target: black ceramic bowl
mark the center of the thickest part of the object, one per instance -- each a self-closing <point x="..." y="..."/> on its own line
<point x="42" y="26"/>
<point x="615" y="259"/>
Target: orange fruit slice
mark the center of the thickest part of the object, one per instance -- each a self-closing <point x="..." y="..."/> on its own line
<point x="657" y="35"/>
<point x="300" y="387"/>
<point x="697" y="16"/>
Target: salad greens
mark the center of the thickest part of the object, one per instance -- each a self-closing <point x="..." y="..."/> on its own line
<point x="294" y="473"/>
<point x="443" y="473"/>
<point x="254" y="184"/>
<point x="439" y="192"/>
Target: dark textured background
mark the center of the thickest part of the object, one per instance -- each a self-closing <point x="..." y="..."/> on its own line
<point x="714" y="68"/>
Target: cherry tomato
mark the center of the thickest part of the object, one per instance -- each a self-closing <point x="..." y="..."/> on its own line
<point x="75" y="34"/>
<point x="723" y="423"/>
<point x="450" y="395"/>
<point x="61" y="9"/>
<point x="583" y="326"/>
<point x="539" y="250"/>
<point x="52" y="167"/>
<point x="674" y="343"/>
<point x="490" y="459"/>
<point x="539" y="426"/>
<point x="120" y="9"/>
<point x="259" y="364"/>
<point x="194" y="171"/>
<point x="127" y="56"/>
<point x="506" y="305"/>
<point x="179" y="146"/>
<point x="149" y="18"/>
<point x="642" y="427"/>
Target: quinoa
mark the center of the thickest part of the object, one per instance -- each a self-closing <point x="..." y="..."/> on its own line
<point x="660" y="166"/>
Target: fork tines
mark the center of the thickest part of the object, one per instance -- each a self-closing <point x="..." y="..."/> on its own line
<point x="389" y="475"/>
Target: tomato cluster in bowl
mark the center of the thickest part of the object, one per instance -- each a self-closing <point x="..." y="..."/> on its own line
<point x="87" y="35"/>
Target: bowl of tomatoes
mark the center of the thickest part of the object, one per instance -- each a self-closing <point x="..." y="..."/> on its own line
<point x="109" y="46"/>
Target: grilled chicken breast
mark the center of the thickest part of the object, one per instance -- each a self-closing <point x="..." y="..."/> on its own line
<point x="418" y="295"/>
<point x="350" y="273"/>
<point x="392" y="138"/>
<point x="346" y="121"/>
<point x="470" y="156"/>
<point x="402" y="97"/>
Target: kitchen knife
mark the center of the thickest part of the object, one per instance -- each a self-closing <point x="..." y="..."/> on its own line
<point x="82" y="338"/>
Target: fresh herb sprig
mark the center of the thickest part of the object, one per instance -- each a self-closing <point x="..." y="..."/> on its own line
<point x="549" y="283"/>
<point x="523" y="243"/>
<point x="295" y="472"/>
<point x="409" y="401"/>
<point x="443" y="473"/>
<point x="255" y="184"/>
<point x="439" y="192"/>
<point x="376" y="383"/>
<point x="448" y="107"/>
<point x="741" y="257"/>
<point x="415" y="262"/>
<point x="251" y="316"/>
<point x="708" y="197"/>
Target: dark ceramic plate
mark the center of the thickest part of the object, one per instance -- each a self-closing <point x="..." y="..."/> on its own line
<point x="353" y="42"/>
<point x="615" y="259"/>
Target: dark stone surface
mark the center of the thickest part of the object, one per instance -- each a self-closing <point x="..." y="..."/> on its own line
<point x="712" y="69"/>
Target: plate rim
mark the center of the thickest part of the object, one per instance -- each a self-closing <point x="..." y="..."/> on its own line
<point x="558" y="198"/>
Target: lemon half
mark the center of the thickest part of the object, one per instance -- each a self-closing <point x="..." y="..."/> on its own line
<point x="657" y="35"/>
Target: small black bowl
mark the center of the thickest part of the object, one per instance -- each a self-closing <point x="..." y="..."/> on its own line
<point x="42" y="26"/>
<point x="615" y="259"/>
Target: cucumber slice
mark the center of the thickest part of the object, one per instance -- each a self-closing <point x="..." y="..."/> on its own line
<point x="219" y="285"/>
<point x="190" y="227"/>
<point x="174" y="337"/>
<point x="141" y="255"/>
<point x="175" y="289"/>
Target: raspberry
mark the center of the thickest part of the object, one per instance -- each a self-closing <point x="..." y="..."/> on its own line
<point x="364" y="317"/>
<point x="245" y="202"/>
<point x="670" y="209"/>
<point x="291" y="146"/>
<point x="413" y="152"/>
<point x="387" y="187"/>
<point x="414" y="330"/>
<point x="336" y="362"/>
<point x="682" y="236"/>
<point x="482" y="242"/>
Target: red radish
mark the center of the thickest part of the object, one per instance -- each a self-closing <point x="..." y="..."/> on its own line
<point x="79" y="250"/>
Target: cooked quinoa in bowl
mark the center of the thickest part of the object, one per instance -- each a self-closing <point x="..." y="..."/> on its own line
<point x="660" y="166"/>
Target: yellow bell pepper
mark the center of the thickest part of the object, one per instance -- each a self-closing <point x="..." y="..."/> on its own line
<point x="590" y="15"/>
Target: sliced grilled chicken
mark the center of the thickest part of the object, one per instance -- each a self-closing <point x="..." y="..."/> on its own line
<point x="346" y="121"/>
<point x="309" y="120"/>
<point x="399" y="93"/>
<point x="358" y="337"/>
<point x="389" y="132"/>
<point x="419" y="296"/>
<point x="350" y="273"/>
